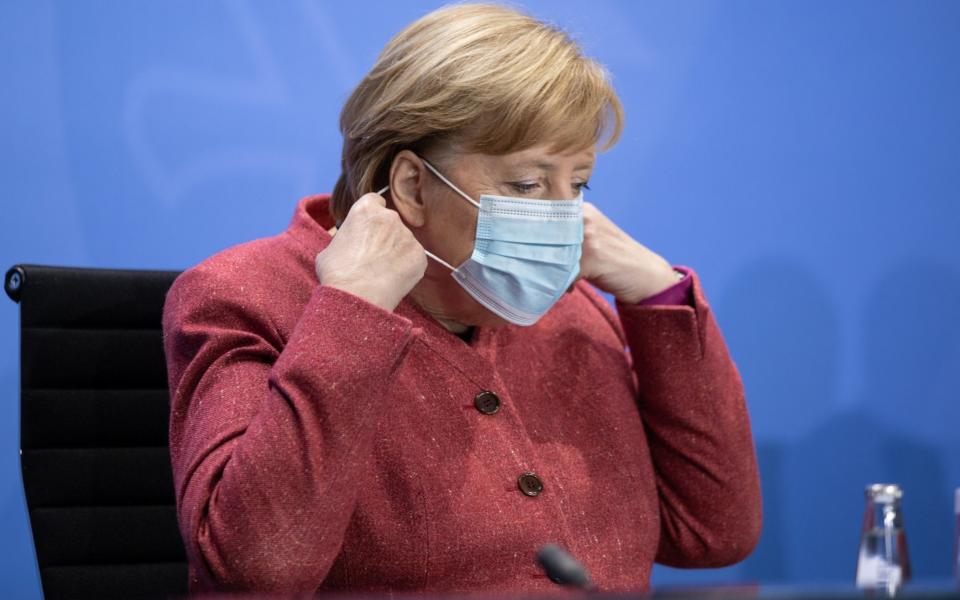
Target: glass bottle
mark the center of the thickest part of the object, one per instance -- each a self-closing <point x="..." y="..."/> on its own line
<point x="883" y="563"/>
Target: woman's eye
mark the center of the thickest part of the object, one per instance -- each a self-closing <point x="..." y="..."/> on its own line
<point x="524" y="187"/>
<point x="581" y="186"/>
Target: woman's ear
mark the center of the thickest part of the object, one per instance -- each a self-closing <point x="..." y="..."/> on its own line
<point x="407" y="175"/>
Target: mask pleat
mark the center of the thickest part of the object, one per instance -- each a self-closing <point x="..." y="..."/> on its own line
<point x="533" y="285"/>
<point x="549" y="254"/>
<point x="568" y="231"/>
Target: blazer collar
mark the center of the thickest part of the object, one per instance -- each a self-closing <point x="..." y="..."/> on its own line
<point x="311" y="222"/>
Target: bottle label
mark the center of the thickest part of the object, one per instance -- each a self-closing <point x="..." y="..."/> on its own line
<point x="877" y="571"/>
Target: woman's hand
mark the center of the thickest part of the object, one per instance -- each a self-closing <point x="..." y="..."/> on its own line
<point x="373" y="255"/>
<point x="616" y="263"/>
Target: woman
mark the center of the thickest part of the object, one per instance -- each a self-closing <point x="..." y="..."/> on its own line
<point x="346" y="415"/>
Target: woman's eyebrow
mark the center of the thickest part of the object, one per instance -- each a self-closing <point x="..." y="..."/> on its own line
<point x="548" y="166"/>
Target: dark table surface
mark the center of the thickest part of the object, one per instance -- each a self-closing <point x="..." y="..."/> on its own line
<point x="920" y="590"/>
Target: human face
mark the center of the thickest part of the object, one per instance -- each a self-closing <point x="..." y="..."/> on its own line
<point x="537" y="173"/>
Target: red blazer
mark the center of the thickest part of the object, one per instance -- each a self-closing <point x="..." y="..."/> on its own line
<point x="322" y="443"/>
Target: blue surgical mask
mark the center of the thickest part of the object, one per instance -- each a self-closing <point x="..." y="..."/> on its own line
<point x="525" y="255"/>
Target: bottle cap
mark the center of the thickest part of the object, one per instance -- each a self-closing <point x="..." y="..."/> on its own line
<point x="884" y="492"/>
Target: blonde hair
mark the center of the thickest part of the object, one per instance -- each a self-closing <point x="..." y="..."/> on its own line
<point x="483" y="77"/>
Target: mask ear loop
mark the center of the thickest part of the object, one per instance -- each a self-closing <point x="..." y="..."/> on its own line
<point x="449" y="183"/>
<point x="427" y="252"/>
<point x="339" y="222"/>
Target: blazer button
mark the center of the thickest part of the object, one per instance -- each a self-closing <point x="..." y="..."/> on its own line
<point x="487" y="402"/>
<point x="530" y="484"/>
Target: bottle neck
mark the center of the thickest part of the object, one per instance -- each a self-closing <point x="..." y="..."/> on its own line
<point x="884" y="514"/>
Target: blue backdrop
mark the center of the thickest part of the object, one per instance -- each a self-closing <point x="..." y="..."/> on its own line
<point x="804" y="157"/>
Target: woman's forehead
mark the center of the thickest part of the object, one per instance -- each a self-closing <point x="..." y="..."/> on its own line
<point x="543" y="157"/>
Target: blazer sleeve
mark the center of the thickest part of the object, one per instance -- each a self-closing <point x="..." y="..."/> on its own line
<point x="692" y="403"/>
<point x="266" y="437"/>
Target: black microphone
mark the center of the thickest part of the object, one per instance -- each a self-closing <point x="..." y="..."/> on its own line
<point x="563" y="568"/>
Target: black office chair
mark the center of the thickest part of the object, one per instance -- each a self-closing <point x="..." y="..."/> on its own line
<point x="94" y="410"/>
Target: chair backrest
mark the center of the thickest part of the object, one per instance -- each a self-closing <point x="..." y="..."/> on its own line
<point x="94" y="411"/>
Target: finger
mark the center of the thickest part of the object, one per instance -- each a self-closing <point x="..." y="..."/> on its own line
<point x="373" y="198"/>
